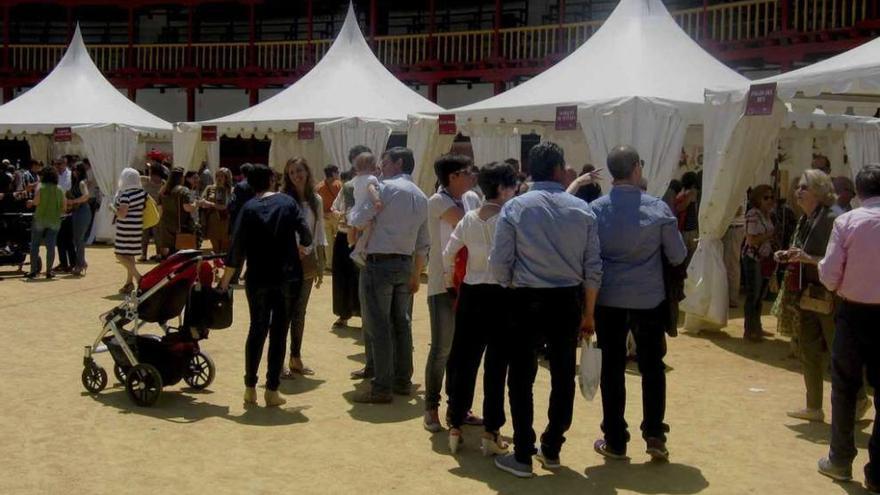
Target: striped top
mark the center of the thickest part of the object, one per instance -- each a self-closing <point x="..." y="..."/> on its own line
<point x="130" y="228"/>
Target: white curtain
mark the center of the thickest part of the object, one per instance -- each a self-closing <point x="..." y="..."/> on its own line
<point x="110" y="149"/>
<point x="213" y="154"/>
<point x="41" y="148"/>
<point x="654" y="128"/>
<point x="187" y="146"/>
<point x="286" y="145"/>
<point x="426" y="142"/>
<point x="735" y="148"/>
<point x="495" y="144"/>
<point x="862" y="147"/>
<point x="574" y="144"/>
<point x="340" y="135"/>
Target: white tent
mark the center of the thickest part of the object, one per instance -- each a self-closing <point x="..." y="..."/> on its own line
<point x="106" y="126"/>
<point x="638" y="80"/>
<point x="349" y="96"/>
<point x="736" y="144"/>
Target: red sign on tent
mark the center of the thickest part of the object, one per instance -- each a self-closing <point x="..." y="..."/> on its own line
<point x="446" y="122"/>
<point x="761" y="98"/>
<point x="306" y="131"/>
<point x="62" y="134"/>
<point x="209" y="133"/>
<point x="566" y="118"/>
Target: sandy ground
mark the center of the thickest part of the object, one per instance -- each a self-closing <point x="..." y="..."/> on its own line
<point x="726" y="405"/>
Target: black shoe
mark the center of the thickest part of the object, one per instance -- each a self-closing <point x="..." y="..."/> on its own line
<point x="50" y="275"/>
<point x="407" y="390"/>
<point x="657" y="450"/>
<point x="31" y="275"/>
<point x="601" y="447"/>
<point x="361" y="374"/>
<point x="371" y="397"/>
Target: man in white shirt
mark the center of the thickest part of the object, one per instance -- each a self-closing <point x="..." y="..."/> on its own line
<point x="445" y="209"/>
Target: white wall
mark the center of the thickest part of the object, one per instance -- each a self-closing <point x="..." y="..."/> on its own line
<point x="214" y="103"/>
<point x="456" y="95"/>
<point x="170" y="105"/>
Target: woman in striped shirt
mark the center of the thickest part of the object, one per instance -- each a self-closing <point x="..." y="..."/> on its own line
<point x="130" y="201"/>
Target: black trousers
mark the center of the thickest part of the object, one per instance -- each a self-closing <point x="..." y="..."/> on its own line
<point x="479" y="326"/>
<point x="612" y="326"/>
<point x="346" y="300"/>
<point x="270" y="308"/>
<point x="66" y="248"/>
<point x="856" y="347"/>
<point x="555" y="315"/>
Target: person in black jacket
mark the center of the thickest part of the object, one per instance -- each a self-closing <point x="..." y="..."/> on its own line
<point x="266" y="236"/>
<point x="241" y="194"/>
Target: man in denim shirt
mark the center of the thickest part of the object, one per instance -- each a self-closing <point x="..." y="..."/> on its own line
<point x="547" y="250"/>
<point x="635" y="230"/>
<point x="396" y="253"/>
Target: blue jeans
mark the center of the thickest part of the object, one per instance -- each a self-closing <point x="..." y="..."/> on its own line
<point x="442" y="315"/>
<point x="40" y="234"/>
<point x="82" y="218"/>
<point x="386" y="309"/>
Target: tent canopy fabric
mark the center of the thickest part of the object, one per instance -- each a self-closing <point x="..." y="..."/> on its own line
<point x="75" y="93"/>
<point x="348" y="82"/>
<point x="736" y="145"/>
<point x="639" y="51"/>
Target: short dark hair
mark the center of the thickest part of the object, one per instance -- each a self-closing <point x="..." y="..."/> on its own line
<point x="449" y="164"/>
<point x="49" y="175"/>
<point x="346" y="176"/>
<point x="357" y="150"/>
<point x="868" y="181"/>
<point x="494" y="176"/>
<point x="404" y="154"/>
<point x="587" y="169"/>
<point x="689" y="180"/>
<point x="260" y="177"/>
<point x="622" y="161"/>
<point x="675" y="185"/>
<point x="246" y="169"/>
<point x="544" y="158"/>
<point x="330" y="170"/>
<point x="513" y="162"/>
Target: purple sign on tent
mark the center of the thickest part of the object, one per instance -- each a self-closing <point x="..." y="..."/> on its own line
<point x="567" y="118"/>
<point x="761" y="98"/>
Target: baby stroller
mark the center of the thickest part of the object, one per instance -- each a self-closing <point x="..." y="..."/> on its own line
<point x="15" y="238"/>
<point x="145" y="363"/>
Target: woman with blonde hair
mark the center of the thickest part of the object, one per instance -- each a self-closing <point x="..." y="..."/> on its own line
<point x="215" y="201"/>
<point x="757" y="258"/>
<point x="129" y="205"/>
<point x="812" y="303"/>
<point x="299" y="183"/>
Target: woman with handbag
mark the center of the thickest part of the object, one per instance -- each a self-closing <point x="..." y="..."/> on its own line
<point x="176" y="224"/>
<point x="814" y="305"/>
<point x="130" y="201"/>
<point x="215" y="202"/>
<point x="757" y="258"/>
<point x="298" y="182"/>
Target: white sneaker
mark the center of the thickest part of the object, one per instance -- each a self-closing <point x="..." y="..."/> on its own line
<point x="808" y="414"/>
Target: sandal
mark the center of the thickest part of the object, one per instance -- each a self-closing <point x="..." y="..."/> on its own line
<point x="288" y="375"/>
<point x="304" y="371"/>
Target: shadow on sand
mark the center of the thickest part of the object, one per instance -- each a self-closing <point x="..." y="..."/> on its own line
<point x="603" y="479"/>
<point x="403" y="408"/>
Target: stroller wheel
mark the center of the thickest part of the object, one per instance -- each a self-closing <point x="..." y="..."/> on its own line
<point x="200" y="371"/>
<point x="94" y="378"/>
<point x="119" y="372"/>
<point x="143" y="384"/>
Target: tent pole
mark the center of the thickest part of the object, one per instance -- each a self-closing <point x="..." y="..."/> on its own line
<point x="253" y="96"/>
<point x="132" y="93"/>
<point x="190" y="104"/>
<point x="432" y="92"/>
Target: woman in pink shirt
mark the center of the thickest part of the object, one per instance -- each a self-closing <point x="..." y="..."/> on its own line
<point x="850" y="269"/>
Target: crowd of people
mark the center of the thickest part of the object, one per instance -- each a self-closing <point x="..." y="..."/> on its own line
<point x="521" y="264"/>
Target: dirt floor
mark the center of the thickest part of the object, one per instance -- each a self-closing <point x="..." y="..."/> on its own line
<point x="726" y="407"/>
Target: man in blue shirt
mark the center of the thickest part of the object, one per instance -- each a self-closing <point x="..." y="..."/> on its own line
<point x="635" y="231"/>
<point x="546" y="249"/>
<point x="396" y="253"/>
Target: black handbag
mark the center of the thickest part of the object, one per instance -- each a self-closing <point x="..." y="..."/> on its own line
<point x="209" y="308"/>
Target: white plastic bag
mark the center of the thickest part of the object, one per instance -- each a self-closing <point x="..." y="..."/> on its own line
<point x="591" y="369"/>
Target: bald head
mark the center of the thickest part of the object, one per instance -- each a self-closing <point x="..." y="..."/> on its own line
<point x="622" y="162"/>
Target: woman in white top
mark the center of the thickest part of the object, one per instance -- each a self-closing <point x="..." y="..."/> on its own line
<point x="300" y="184"/>
<point x="480" y="304"/>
